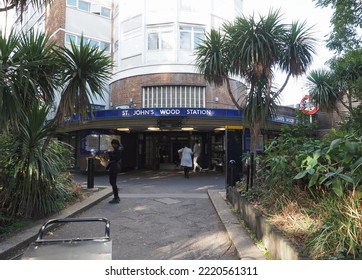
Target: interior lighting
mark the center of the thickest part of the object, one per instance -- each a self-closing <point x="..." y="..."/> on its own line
<point x="152" y="128"/>
<point x="126" y="129"/>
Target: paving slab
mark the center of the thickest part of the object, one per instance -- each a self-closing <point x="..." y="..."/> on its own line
<point x="161" y="215"/>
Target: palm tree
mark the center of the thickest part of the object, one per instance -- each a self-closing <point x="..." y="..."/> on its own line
<point x="253" y="50"/>
<point x="31" y="70"/>
<point x="28" y="73"/>
<point x="85" y="72"/>
<point x="33" y="180"/>
<point x="323" y="89"/>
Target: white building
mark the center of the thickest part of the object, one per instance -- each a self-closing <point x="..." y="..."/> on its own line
<point x="155" y="85"/>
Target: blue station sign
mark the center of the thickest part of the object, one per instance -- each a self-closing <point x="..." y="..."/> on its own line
<point x="174" y="112"/>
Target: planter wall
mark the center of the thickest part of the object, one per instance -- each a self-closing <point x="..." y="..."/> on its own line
<point x="277" y="244"/>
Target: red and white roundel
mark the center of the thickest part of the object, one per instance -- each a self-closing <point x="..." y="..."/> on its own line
<point x="307" y="106"/>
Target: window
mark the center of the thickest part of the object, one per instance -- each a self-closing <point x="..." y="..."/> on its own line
<point x="70" y="38"/>
<point x="153" y="41"/>
<point x="72" y="3"/>
<point x="92" y="42"/>
<point x="105" y="46"/>
<point x="160" y="39"/>
<point x="185" y="37"/>
<point x="190" y="36"/>
<point x="166" y="40"/>
<point x="88" y="7"/>
<point x="170" y="96"/>
<point x="94" y="143"/>
<point x="84" y="6"/>
<point x="105" y="12"/>
<point x="199" y="35"/>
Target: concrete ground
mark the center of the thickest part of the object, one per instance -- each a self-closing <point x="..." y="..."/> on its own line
<point x="161" y="215"/>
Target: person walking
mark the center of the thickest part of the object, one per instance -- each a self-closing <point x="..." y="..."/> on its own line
<point x="114" y="166"/>
<point x="197" y="153"/>
<point x="186" y="159"/>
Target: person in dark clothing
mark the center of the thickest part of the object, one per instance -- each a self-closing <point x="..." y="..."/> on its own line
<point x="114" y="166"/>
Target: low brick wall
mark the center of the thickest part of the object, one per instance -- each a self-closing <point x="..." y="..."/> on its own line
<point x="277" y="244"/>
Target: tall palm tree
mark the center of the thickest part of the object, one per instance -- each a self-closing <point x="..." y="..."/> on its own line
<point x="297" y="52"/>
<point x="253" y="49"/>
<point x="85" y="72"/>
<point x="31" y="70"/>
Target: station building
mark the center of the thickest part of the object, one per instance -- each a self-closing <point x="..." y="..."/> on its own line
<point x="156" y="100"/>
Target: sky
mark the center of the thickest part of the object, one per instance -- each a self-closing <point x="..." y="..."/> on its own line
<point x="297" y="10"/>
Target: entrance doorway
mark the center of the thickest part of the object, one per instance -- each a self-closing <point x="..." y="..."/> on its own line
<point x="152" y="156"/>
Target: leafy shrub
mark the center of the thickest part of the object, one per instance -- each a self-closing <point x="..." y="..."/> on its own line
<point x="322" y="179"/>
<point x="33" y="179"/>
<point x="34" y="183"/>
<point x="339" y="234"/>
<point x="334" y="165"/>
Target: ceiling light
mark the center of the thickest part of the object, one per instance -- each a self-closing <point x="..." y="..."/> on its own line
<point x="187" y="128"/>
<point x="153" y="128"/>
<point x="126" y="129"/>
<point x="219" y="128"/>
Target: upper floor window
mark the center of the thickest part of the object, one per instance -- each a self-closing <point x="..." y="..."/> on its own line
<point x="105" y="12"/>
<point x="93" y="43"/>
<point x="153" y="41"/>
<point x="105" y="46"/>
<point x="89" y="7"/>
<point x="161" y="38"/>
<point x="71" y="38"/>
<point x="190" y="36"/>
<point x="72" y="3"/>
<point x="84" y="6"/>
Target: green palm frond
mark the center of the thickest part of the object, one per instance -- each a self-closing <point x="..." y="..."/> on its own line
<point x="298" y="49"/>
<point x="254" y="45"/>
<point x="86" y="72"/>
<point x="211" y="58"/>
<point x="323" y="89"/>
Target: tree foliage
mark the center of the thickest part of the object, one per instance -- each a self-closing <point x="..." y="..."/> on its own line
<point x="32" y="71"/>
<point x="20" y="5"/>
<point x="253" y="48"/>
<point x="342" y="84"/>
<point x="346" y="23"/>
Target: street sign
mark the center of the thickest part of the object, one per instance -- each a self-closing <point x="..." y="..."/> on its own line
<point x="307" y="106"/>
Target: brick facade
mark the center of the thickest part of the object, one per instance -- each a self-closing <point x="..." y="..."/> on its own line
<point x="131" y="87"/>
<point x="54" y="20"/>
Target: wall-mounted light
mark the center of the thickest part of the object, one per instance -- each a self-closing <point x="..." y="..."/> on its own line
<point x="216" y="99"/>
<point x="131" y="100"/>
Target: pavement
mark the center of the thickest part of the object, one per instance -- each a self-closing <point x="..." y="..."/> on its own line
<point x="161" y="215"/>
